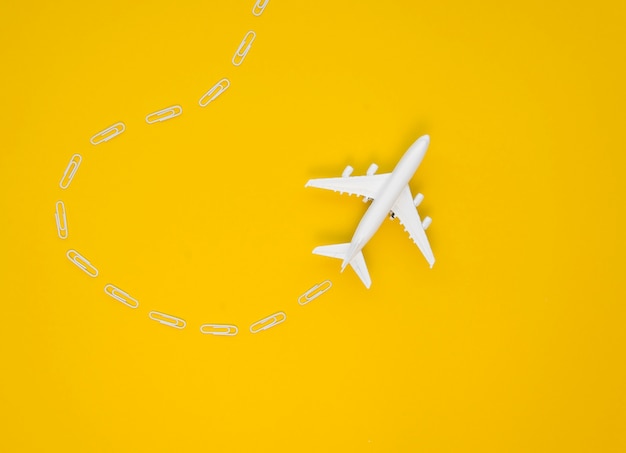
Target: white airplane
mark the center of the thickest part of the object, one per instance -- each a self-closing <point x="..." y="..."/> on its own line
<point x="391" y="194"/>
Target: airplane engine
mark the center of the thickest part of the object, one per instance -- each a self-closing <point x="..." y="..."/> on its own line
<point x="373" y="168"/>
<point x="426" y="222"/>
<point x="347" y="172"/>
<point x="418" y="199"/>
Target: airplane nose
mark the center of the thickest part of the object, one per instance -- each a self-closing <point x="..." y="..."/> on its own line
<point x="425" y="138"/>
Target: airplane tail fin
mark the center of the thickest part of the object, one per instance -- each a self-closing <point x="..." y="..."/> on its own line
<point x="341" y="251"/>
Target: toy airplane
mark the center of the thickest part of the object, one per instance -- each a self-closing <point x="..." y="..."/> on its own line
<point x="391" y="194"/>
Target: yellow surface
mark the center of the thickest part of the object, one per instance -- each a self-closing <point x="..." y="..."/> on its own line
<point x="513" y="342"/>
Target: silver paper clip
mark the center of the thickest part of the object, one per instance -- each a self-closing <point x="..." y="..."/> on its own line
<point x="243" y="48"/>
<point x="219" y="329"/>
<point x="82" y="262"/>
<point x="268" y="322"/>
<point x="61" y="219"/>
<point x="70" y="171"/>
<point x="167" y="320"/>
<point x="214" y="92"/>
<point x="315" y="292"/>
<point x="121" y="296"/>
<point x="259" y="7"/>
<point x="107" y="134"/>
<point x="165" y="114"/>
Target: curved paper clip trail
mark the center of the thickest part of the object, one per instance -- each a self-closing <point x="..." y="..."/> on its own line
<point x="121" y="296"/>
<point x="61" y="220"/>
<point x="259" y="7"/>
<point x="227" y="330"/>
<point x="70" y="171"/>
<point x="82" y="262"/>
<point x="268" y="322"/>
<point x="243" y="48"/>
<point x="214" y="92"/>
<point x="167" y="320"/>
<point x="165" y="114"/>
<point x="108" y="133"/>
<point x="315" y="292"/>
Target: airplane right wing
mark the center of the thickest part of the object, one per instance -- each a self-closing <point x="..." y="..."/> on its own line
<point x="366" y="186"/>
<point x="406" y="211"/>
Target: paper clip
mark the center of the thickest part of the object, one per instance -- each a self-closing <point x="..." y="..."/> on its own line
<point x="214" y="92"/>
<point x="243" y="48"/>
<point x="121" y="296"/>
<point x="108" y="134"/>
<point x="70" y="171"/>
<point x="259" y="6"/>
<point x="165" y="114"/>
<point x="82" y="263"/>
<point x="61" y="219"/>
<point x="268" y="322"/>
<point x="219" y="329"/>
<point x="315" y="292"/>
<point x="167" y="320"/>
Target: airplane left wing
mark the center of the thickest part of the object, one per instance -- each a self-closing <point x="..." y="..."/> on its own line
<point x="406" y="211"/>
<point x="366" y="186"/>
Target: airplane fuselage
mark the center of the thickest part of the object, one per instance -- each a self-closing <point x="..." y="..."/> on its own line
<point x="389" y="193"/>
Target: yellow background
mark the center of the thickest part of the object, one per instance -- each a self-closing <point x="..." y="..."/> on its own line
<point x="513" y="342"/>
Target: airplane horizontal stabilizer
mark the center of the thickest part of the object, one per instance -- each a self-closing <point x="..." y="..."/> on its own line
<point x="340" y="251"/>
